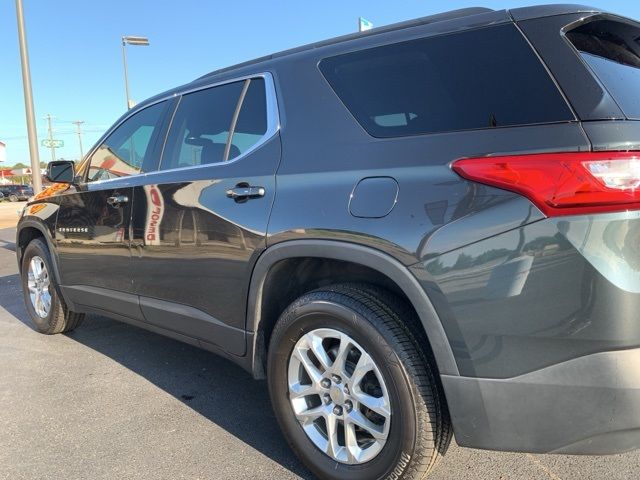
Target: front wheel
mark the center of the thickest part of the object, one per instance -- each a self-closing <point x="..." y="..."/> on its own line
<point x="44" y="304"/>
<point x="353" y="391"/>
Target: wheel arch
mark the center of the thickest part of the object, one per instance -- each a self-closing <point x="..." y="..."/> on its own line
<point x="382" y="266"/>
<point x="28" y="230"/>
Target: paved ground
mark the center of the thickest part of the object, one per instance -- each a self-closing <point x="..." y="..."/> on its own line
<point x="9" y="213"/>
<point x="112" y="401"/>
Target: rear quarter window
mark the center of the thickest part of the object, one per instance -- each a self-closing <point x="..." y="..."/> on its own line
<point x="482" y="78"/>
<point x="611" y="48"/>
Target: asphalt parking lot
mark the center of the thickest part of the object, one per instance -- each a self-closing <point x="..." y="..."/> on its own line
<point x="113" y="401"/>
<point x="9" y="213"/>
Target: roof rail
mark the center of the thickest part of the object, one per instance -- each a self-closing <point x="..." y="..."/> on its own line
<point x="439" y="17"/>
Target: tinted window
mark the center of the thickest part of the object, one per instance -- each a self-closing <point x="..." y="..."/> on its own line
<point x="200" y="129"/>
<point x="612" y="50"/>
<point x="128" y="149"/>
<point x="252" y="121"/>
<point x="483" y="78"/>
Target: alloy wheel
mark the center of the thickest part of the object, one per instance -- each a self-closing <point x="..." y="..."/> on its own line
<point x="339" y="396"/>
<point x="39" y="284"/>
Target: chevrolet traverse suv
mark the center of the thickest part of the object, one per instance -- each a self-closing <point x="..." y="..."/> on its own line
<point x="425" y="230"/>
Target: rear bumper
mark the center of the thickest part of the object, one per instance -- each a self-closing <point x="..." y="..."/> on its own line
<point x="587" y="405"/>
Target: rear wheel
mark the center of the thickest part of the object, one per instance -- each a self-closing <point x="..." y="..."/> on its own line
<point x="44" y="304"/>
<point x="355" y="395"/>
<point x="13" y="197"/>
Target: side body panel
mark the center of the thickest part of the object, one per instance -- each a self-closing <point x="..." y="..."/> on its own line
<point x="194" y="247"/>
<point x="93" y="236"/>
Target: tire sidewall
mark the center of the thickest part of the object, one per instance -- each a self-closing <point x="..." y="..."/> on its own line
<point x="37" y="248"/>
<point x="303" y="317"/>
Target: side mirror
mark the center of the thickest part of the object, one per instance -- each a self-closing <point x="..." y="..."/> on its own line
<point x="61" y="171"/>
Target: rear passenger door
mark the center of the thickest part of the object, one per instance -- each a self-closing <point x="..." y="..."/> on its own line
<point x="92" y="229"/>
<point x="200" y="222"/>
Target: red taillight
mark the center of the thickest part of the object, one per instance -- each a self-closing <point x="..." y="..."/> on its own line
<point x="563" y="183"/>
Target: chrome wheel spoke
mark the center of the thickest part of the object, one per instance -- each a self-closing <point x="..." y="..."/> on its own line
<point x="298" y="390"/>
<point x="316" y="347"/>
<point x="45" y="301"/>
<point x="333" y="447"/>
<point x="380" y="405"/>
<point x="314" y="373"/>
<point x="38" y="303"/>
<point x="35" y="267"/>
<point x="351" y="441"/>
<point x="376" y="431"/>
<point x="341" y="357"/>
<point x="311" y="414"/>
<point x="364" y="366"/>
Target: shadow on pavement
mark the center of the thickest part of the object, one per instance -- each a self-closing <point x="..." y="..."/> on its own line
<point x="212" y="386"/>
<point x="11" y="298"/>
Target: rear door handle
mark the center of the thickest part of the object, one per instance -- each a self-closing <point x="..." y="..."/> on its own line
<point x="117" y="200"/>
<point x="242" y="192"/>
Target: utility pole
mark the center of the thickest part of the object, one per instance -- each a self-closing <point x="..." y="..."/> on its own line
<point x="28" y="101"/>
<point x="53" y="149"/>
<point x="78" y="124"/>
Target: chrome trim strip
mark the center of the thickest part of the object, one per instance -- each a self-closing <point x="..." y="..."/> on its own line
<point x="166" y="134"/>
<point x="273" y="127"/>
<point x="234" y="120"/>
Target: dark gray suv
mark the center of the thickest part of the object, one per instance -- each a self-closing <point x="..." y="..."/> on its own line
<point x="15" y="193"/>
<point x="432" y="228"/>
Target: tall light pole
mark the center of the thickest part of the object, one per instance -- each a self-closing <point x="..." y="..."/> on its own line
<point x="130" y="40"/>
<point x="78" y="124"/>
<point x="28" y="101"/>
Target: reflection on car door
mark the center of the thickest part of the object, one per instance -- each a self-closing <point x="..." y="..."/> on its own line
<point x="92" y="229"/>
<point x="200" y="222"/>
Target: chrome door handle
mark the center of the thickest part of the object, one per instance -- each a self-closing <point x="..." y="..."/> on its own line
<point x="117" y="200"/>
<point x="243" y="192"/>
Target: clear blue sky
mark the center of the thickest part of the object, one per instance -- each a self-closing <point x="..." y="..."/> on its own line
<point x="76" y="62"/>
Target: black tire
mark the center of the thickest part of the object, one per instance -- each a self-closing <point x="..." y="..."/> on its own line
<point x="59" y="319"/>
<point x="420" y="429"/>
<point x="13" y="198"/>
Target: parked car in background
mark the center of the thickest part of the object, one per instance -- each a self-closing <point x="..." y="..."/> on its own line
<point x="1" y="196"/>
<point x="15" y="193"/>
<point x="424" y="228"/>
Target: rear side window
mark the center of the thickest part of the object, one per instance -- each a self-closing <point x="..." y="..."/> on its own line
<point x="612" y="50"/>
<point x="482" y="78"/>
<point x="252" y="120"/>
<point x="217" y="124"/>
<point x="200" y="127"/>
